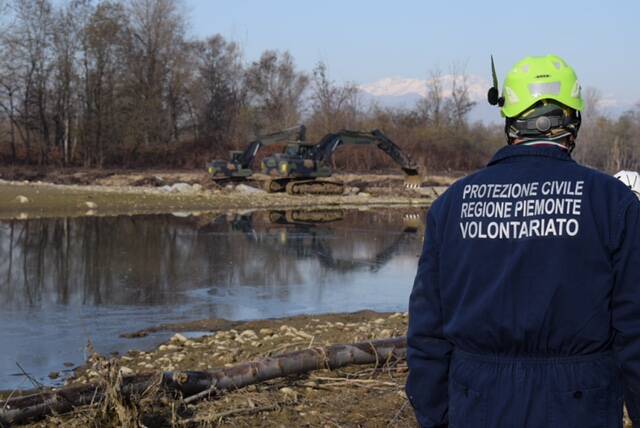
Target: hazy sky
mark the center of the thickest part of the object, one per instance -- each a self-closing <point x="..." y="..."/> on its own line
<point x="366" y="40"/>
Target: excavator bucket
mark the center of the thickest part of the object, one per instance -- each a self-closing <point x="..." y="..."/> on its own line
<point x="411" y="222"/>
<point x="413" y="179"/>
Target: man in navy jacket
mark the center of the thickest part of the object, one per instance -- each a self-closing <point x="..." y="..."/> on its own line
<point x="525" y="311"/>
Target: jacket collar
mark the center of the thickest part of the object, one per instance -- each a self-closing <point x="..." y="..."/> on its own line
<point x="515" y="151"/>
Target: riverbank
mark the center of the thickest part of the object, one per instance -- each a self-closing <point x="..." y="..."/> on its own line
<point x="349" y="397"/>
<point x="182" y="192"/>
<point x="356" y="396"/>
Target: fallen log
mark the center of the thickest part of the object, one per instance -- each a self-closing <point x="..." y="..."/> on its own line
<point x="33" y="407"/>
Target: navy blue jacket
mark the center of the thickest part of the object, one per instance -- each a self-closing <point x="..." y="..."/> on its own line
<point x="528" y="266"/>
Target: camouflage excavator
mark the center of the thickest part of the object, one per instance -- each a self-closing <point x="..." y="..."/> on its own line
<point x="301" y="167"/>
<point x="238" y="167"/>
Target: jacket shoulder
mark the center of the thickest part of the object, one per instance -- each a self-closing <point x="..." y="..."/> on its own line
<point x="602" y="182"/>
<point x="604" y="186"/>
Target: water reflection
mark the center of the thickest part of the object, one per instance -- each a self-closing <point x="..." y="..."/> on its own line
<point x="63" y="281"/>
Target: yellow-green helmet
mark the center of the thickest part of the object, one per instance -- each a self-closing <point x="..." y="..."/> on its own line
<point x="540" y="78"/>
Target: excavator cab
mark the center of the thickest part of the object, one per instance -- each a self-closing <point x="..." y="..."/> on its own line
<point x="235" y="155"/>
<point x="292" y="150"/>
<point x="295" y="161"/>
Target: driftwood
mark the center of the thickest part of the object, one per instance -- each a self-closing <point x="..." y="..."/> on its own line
<point x="190" y="383"/>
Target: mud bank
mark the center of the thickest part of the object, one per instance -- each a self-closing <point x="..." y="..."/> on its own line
<point x="115" y="196"/>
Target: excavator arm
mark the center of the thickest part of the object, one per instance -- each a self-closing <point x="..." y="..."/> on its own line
<point x="296" y="133"/>
<point x="330" y="143"/>
<point x="395" y="153"/>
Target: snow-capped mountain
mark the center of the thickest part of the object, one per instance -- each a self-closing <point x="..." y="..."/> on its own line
<point x="397" y="86"/>
<point x="405" y="92"/>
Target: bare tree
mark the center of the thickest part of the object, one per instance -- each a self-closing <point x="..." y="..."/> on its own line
<point x="7" y="82"/>
<point x="157" y="27"/>
<point x="587" y="149"/>
<point x="627" y="133"/>
<point x="217" y="92"/>
<point x="10" y="87"/>
<point x="69" y="22"/>
<point x="275" y="90"/>
<point x="179" y="73"/>
<point x="461" y="103"/>
<point x="335" y="106"/>
<point x="30" y="45"/>
<point x="592" y="102"/>
<point x="431" y="107"/>
<point x="105" y="105"/>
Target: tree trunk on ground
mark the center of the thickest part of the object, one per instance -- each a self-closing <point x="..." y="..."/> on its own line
<point x="37" y="406"/>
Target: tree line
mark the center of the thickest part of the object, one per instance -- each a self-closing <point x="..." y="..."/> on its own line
<point x="120" y="84"/>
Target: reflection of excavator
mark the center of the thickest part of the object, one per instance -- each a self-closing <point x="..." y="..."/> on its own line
<point x="305" y="216"/>
<point x="239" y="165"/>
<point x="373" y="263"/>
<point x="303" y="240"/>
<point x="296" y="234"/>
<point x="301" y="165"/>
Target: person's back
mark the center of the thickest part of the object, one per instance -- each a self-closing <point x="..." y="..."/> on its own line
<point x="529" y="280"/>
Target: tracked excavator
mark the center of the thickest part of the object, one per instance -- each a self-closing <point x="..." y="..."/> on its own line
<point x="238" y="167"/>
<point x="300" y="169"/>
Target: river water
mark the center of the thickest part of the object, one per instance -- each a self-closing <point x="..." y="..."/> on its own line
<point x="70" y="281"/>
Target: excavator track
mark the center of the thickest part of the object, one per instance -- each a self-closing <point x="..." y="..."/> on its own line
<point x="314" y="187"/>
<point x="275" y="186"/>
